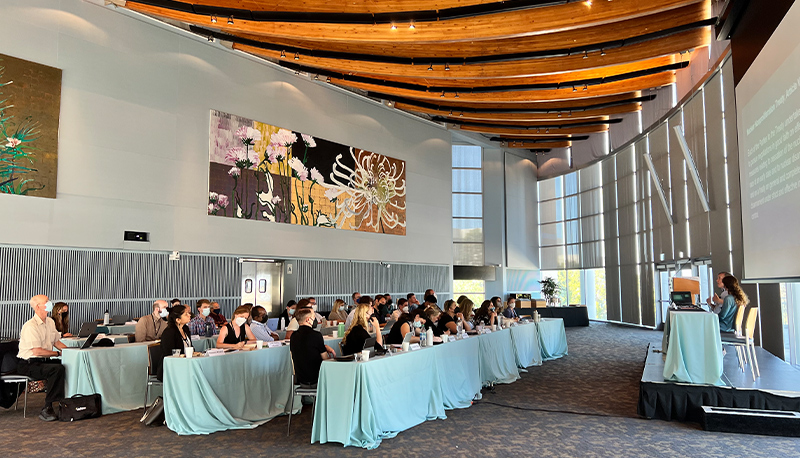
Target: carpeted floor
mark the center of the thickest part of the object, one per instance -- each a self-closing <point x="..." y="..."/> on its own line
<point x="581" y="405"/>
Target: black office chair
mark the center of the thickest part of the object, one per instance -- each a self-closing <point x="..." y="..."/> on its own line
<point x="8" y="366"/>
<point x="153" y="358"/>
<point x="299" y="390"/>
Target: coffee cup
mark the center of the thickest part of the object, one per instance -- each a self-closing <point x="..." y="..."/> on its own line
<point x="406" y="346"/>
<point x="335" y="334"/>
<point x="364" y="355"/>
<point x="189" y="351"/>
<point x="259" y="344"/>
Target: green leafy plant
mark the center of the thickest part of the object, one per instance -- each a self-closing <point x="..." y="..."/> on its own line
<point x="549" y="288"/>
<point x="16" y="151"/>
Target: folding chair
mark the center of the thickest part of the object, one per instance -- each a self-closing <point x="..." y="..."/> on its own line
<point x="153" y="355"/>
<point x="298" y="390"/>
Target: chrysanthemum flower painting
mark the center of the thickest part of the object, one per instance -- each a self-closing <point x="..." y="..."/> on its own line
<point x="264" y="172"/>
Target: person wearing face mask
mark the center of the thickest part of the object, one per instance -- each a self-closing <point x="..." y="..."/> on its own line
<point x="60" y="315"/>
<point x="294" y="325"/>
<point x="236" y="334"/>
<point x="432" y="317"/>
<point x="511" y="310"/>
<point x="176" y="336"/>
<point x="37" y="340"/>
<point x="405" y="324"/>
<point x="217" y="316"/>
<point x="486" y="315"/>
<point x="150" y="327"/>
<point x="317" y="317"/>
<point x="337" y="312"/>
<point x="203" y="319"/>
<point x="258" y="324"/>
<point x="381" y="310"/>
<point x="448" y="321"/>
<point x="357" y="334"/>
<point x="286" y="316"/>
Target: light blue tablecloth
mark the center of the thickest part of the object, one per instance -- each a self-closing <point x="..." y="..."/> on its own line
<point x="498" y="360"/>
<point x="204" y="343"/>
<point x="117" y="373"/>
<point x="362" y="403"/>
<point x="527" y="348"/>
<point x="459" y="372"/>
<point x="552" y="338"/>
<point x="694" y="354"/>
<point x="76" y="342"/>
<point x="240" y="390"/>
<point x="121" y="329"/>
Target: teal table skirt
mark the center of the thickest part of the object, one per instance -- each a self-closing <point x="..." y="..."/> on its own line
<point x="121" y="329"/>
<point x="498" y="360"/>
<point x="552" y="338"/>
<point x="76" y="342"/>
<point x="459" y="372"/>
<point x="694" y="354"/>
<point x="204" y="343"/>
<point x="361" y="404"/>
<point x="117" y="373"/>
<point x="527" y="348"/>
<point x="240" y="390"/>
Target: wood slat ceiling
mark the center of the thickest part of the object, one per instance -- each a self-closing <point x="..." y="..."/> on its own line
<point x="549" y="72"/>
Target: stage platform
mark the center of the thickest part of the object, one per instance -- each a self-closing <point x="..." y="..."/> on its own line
<point x="778" y="388"/>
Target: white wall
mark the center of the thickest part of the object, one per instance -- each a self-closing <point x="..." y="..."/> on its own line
<point x="133" y="147"/>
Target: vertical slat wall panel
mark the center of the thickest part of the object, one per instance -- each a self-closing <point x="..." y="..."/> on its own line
<point x="694" y="130"/>
<point x="611" y="240"/>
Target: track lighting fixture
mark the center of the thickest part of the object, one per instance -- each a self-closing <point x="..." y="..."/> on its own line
<point x="316" y="77"/>
<point x="585" y="87"/>
<point x="230" y="20"/>
<point x="213" y="19"/>
<point x="585" y="54"/>
<point x="456" y="95"/>
<point x="210" y="39"/>
<point x="411" y="26"/>
<point x="394" y="27"/>
<point x="602" y="52"/>
<point x="573" y="89"/>
<point x="461" y="115"/>
<point x="442" y="94"/>
<point x="328" y="79"/>
<point x="297" y="56"/>
<point x="283" y="54"/>
<point x="430" y="68"/>
<point x="447" y="67"/>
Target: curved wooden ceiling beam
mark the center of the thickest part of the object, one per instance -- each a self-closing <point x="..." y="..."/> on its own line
<point x="642" y="51"/>
<point x="565" y="123"/>
<point x="562" y="106"/>
<point x="591" y="37"/>
<point x="528" y="144"/>
<point x="645" y="82"/>
<point x="343" y="6"/>
<point x="502" y="25"/>
<point x="534" y="132"/>
<point x="524" y="117"/>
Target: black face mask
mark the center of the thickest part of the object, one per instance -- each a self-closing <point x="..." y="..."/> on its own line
<point x="64" y="314"/>
<point x="215" y="311"/>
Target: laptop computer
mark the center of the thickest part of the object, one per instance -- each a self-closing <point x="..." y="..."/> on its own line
<point x="119" y="319"/>
<point x="87" y="329"/>
<point x="408" y="337"/>
<point x="272" y="324"/>
<point x="89" y="341"/>
<point x="682" y="299"/>
<point x="369" y="344"/>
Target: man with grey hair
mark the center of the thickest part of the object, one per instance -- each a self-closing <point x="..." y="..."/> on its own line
<point x="150" y="327"/>
<point x="37" y="340"/>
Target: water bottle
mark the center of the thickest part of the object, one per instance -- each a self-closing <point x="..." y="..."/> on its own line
<point x="106" y="318"/>
<point x="429" y="337"/>
<point x="459" y="327"/>
<point x="422" y="337"/>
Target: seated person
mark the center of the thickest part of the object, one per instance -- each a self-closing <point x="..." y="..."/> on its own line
<point x="37" y="338"/>
<point x="405" y="324"/>
<point x="258" y="324"/>
<point x="486" y="315"/>
<point x="318" y="318"/>
<point x="467" y="315"/>
<point x="294" y="325"/>
<point x="287" y="314"/>
<point x="412" y="301"/>
<point x="735" y="298"/>
<point x="203" y="320"/>
<point x="308" y="349"/>
<point x="337" y="312"/>
<point x="354" y="338"/>
<point x="60" y="315"/>
<point x="150" y="327"/>
<point x="432" y="321"/>
<point x="511" y="310"/>
<point x="361" y="300"/>
<point x="217" y="316"/>
<point x="448" y="321"/>
<point x="174" y="302"/>
<point x="234" y="335"/>
<point x="176" y="336"/>
<point x="382" y="307"/>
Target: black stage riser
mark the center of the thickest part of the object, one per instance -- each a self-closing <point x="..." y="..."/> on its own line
<point x="752" y="422"/>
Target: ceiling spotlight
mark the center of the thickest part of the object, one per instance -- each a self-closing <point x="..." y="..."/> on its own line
<point x="442" y="94"/>
<point x="456" y="95"/>
<point x="210" y="39"/>
<point x="297" y="56"/>
<point x="547" y="131"/>
<point x="602" y="52"/>
<point x="213" y="19"/>
<point x="411" y="26"/>
<point x="230" y="20"/>
<point x="316" y="77"/>
<point x="297" y="72"/>
<point x="585" y="54"/>
<point x="451" y="113"/>
<point x="430" y="69"/>
<point x="588" y="2"/>
<point x="328" y="79"/>
<point x="394" y="27"/>
<point x="537" y="130"/>
<point x="573" y="89"/>
<point x="461" y="115"/>
<point x="559" y="114"/>
<point x="447" y="67"/>
<point x="585" y="87"/>
<point x="283" y="54"/>
<point x="570" y="113"/>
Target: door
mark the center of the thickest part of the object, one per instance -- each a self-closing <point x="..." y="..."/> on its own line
<point x="262" y="284"/>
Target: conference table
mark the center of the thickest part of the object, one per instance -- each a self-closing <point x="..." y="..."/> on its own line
<point x="73" y="342"/>
<point x="116" y="329"/>
<point x="694" y="348"/>
<point x="117" y="373"/>
<point x="572" y="315"/>
<point x="357" y="401"/>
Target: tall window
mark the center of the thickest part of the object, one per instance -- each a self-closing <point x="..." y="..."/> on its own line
<point x="467" y="206"/>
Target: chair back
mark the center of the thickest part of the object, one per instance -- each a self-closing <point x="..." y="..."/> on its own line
<point x="8" y="357"/>
<point x="153" y="358"/>
<point x="131" y="338"/>
<point x="750" y="325"/>
<point x="740" y="309"/>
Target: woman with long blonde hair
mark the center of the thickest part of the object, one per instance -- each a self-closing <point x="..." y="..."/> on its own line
<point x="354" y="338"/>
<point x="336" y="312"/>
<point x="735" y="298"/>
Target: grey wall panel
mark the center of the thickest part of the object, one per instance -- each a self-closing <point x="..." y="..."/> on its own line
<point x="522" y="236"/>
<point x="679" y="234"/>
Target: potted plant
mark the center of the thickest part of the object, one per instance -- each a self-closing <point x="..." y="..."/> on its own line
<point x="550" y="290"/>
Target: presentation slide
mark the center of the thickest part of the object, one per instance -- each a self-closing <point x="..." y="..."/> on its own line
<point x="768" y="118"/>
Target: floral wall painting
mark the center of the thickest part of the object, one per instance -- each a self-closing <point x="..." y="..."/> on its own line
<point x="30" y="102"/>
<point x="264" y="172"/>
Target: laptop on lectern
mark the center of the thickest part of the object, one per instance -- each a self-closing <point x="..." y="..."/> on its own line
<point x="681" y="298"/>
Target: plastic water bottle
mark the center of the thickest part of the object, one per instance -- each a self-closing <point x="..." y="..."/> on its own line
<point x="429" y="337"/>
<point x="422" y="337"/>
<point x="106" y="318"/>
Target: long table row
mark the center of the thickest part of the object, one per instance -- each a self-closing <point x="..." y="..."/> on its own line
<point x="245" y="389"/>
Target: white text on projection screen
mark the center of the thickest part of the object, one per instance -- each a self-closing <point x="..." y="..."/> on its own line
<point x="768" y="109"/>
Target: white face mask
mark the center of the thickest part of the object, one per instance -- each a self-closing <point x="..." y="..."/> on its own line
<point x="48" y="306"/>
<point x="206" y="312"/>
<point x="314" y="307"/>
<point x="163" y="313"/>
<point x="405" y="309"/>
<point x="240" y="321"/>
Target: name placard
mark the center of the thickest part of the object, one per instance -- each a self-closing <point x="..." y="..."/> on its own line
<point x="451" y="338"/>
<point x="414" y="346"/>
<point x="273" y="344"/>
<point x="215" y="352"/>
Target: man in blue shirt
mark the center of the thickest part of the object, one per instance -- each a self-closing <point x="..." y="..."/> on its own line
<point x="259" y="325"/>
<point x="202" y="321"/>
